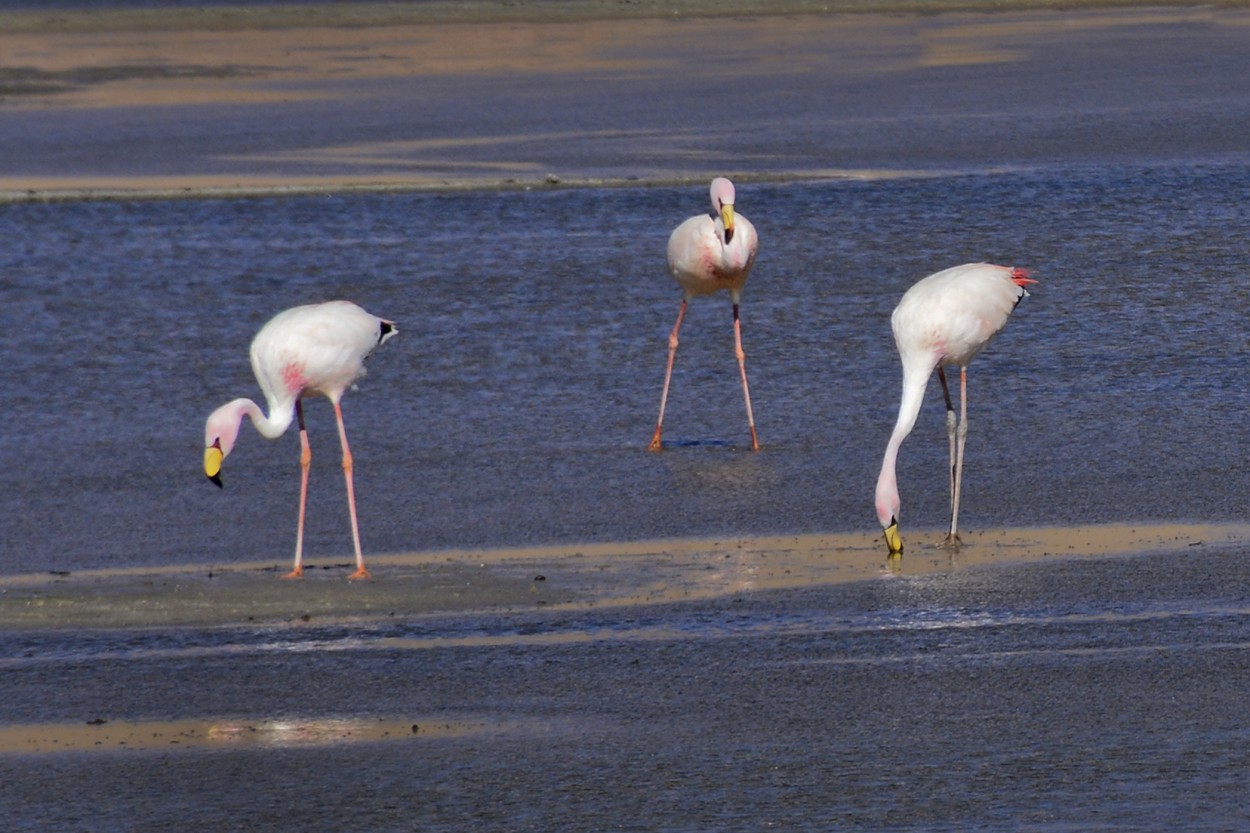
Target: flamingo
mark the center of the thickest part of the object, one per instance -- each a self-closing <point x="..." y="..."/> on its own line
<point x="944" y="319"/>
<point x="317" y="348"/>
<point x="708" y="253"/>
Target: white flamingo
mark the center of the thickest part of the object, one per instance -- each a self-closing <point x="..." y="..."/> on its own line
<point x="313" y="349"/>
<point x="706" y="254"/>
<point x="943" y="319"/>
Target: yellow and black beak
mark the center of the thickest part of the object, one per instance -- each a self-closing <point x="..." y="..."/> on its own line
<point x="212" y="463"/>
<point x="892" y="539"/>
<point x="727" y="217"/>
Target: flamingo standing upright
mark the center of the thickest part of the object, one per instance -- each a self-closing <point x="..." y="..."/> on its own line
<point x="313" y="349"/>
<point x="708" y="253"/>
<point x="943" y="319"/>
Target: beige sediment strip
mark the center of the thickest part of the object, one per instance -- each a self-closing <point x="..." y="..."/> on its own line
<point x="570" y="576"/>
<point x="227" y="733"/>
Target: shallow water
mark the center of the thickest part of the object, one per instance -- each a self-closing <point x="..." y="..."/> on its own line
<point x="514" y="407"/>
<point x="1099" y="694"/>
<point x="516" y="402"/>
<point x="569" y="692"/>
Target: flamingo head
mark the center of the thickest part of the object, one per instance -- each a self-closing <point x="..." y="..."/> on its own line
<point x="722" y="193"/>
<point x="220" y="433"/>
<point x="888" y="506"/>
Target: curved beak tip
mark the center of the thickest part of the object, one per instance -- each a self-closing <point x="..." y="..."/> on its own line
<point x="894" y="540"/>
<point x="212" y="463"/>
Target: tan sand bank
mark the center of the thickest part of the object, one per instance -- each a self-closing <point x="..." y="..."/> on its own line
<point x="567" y="576"/>
<point x="235" y="734"/>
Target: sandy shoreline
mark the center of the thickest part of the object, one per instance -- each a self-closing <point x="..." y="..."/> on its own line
<point x="581" y="576"/>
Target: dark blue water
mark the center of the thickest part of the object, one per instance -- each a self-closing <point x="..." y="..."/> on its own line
<point x="516" y="402"/>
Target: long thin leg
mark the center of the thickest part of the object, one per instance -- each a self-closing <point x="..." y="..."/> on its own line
<point x="959" y="460"/>
<point x="305" y="460"/>
<point x="950" y="431"/>
<point x="742" y="368"/>
<point x="361" y="572"/>
<point x="656" y="444"/>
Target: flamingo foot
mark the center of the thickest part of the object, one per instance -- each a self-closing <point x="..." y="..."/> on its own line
<point x="755" y="443"/>
<point x="298" y="572"/>
<point x="656" y="444"/>
<point x="951" y="542"/>
<point x="360" y="574"/>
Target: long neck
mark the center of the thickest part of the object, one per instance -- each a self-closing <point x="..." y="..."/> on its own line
<point x="270" y="427"/>
<point x="915" y="379"/>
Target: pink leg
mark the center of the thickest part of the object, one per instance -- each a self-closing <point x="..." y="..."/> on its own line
<point x="742" y="368"/>
<point x="361" y="572"/>
<point x="950" y="432"/>
<point x="305" y="460"/>
<point x="668" y="375"/>
<point x="953" y="537"/>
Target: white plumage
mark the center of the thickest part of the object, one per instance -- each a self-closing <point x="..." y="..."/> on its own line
<point x="708" y="253"/>
<point x="313" y="349"/>
<point x="944" y="319"/>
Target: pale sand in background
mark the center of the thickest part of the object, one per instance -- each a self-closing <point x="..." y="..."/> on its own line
<point x="70" y="62"/>
<point x="149" y="59"/>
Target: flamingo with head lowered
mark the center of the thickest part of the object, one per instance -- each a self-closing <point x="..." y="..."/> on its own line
<point x="708" y="253"/>
<point x="313" y="349"/>
<point x="944" y="319"/>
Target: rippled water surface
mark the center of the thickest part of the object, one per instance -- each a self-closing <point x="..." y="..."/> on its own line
<point x="1073" y="695"/>
<point x="516" y="402"/>
<point x="514" y="408"/>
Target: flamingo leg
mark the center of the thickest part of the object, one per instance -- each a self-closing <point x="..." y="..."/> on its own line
<point x="305" y="461"/>
<point x="950" y="431"/>
<point x="361" y="572"/>
<point x="656" y="444"/>
<point x="742" y="369"/>
<point x="953" y="537"/>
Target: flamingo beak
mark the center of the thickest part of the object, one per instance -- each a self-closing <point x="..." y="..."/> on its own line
<point x="212" y="463"/>
<point x="893" y="540"/>
<point x="727" y="217"/>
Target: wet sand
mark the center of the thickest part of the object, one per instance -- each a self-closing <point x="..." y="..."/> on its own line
<point x="223" y="734"/>
<point x="573" y="577"/>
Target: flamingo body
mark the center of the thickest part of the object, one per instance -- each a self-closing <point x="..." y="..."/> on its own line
<point x="711" y="252"/>
<point x="944" y="319"/>
<point x="706" y="254"/>
<point x="313" y="349"/>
